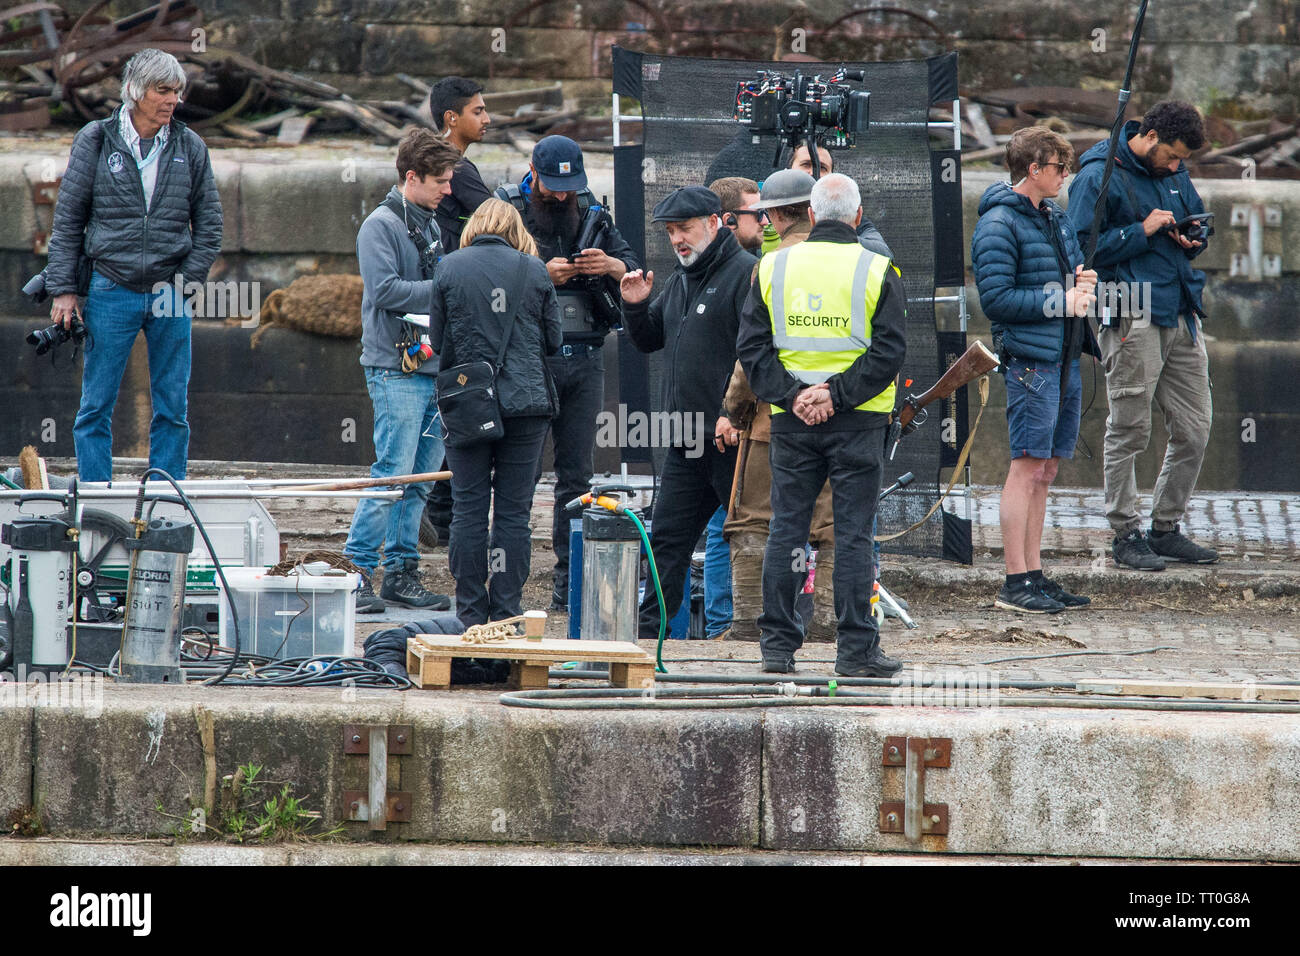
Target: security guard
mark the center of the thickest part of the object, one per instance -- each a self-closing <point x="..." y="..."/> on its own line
<point x="822" y="339"/>
<point x="585" y="257"/>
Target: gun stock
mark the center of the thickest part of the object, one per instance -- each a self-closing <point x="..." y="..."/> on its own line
<point x="974" y="362"/>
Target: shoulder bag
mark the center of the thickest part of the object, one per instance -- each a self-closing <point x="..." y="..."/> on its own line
<point x="467" y="393"/>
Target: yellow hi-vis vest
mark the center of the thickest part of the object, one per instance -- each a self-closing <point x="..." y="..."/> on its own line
<point x="820" y="322"/>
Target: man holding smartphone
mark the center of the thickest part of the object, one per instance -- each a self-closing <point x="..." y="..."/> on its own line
<point x="585" y="257"/>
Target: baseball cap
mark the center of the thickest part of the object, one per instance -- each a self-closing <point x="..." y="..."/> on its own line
<point x="558" y="161"/>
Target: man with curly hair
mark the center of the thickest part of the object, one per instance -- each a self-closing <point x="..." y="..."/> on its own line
<point x="1159" y="354"/>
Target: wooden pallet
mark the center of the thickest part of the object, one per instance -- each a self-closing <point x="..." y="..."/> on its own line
<point x="429" y="656"/>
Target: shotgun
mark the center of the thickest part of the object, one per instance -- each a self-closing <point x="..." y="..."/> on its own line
<point x="974" y="362"/>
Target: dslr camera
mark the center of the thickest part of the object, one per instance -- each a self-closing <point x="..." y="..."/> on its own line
<point x="805" y="109"/>
<point x="52" y="336"/>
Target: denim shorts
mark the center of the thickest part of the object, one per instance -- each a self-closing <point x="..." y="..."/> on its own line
<point x="1041" y="423"/>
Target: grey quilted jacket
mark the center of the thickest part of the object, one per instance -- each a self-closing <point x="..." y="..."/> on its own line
<point x="101" y="197"/>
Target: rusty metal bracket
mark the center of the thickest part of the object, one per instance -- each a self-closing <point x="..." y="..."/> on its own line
<point x="913" y="817"/>
<point x="356" y="739"/>
<point x="378" y="806"/>
<point x="46" y="193"/>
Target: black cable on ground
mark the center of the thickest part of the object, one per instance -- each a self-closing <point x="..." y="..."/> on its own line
<point x="322" y="671"/>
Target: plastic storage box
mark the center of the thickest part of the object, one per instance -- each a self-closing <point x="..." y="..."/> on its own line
<point x="300" y="615"/>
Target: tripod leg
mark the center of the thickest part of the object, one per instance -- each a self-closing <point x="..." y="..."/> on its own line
<point x="887" y="599"/>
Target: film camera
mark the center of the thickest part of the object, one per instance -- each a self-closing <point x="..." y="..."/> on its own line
<point x="797" y="107"/>
<point x="52" y="336"/>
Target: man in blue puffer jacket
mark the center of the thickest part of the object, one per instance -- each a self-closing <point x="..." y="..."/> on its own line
<point x="1036" y="294"/>
<point x="1160" y="355"/>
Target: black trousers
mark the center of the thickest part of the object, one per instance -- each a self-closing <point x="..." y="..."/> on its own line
<point x="580" y="381"/>
<point x="801" y="463"/>
<point x="690" y="491"/>
<point x="501" y="476"/>
<point x="438" y="507"/>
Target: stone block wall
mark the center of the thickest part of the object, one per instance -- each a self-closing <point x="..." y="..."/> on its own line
<point x="1236" y="54"/>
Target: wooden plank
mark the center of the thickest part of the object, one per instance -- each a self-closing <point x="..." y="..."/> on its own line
<point x="1218" y="691"/>
<point x="549" y="649"/>
<point x="293" y="129"/>
<point x="432" y="671"/>
<point x="543" y="96"/>
<point x="636" y="676"/>
<point x="530" y="675"/>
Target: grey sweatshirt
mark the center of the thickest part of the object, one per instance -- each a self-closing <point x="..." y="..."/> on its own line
<point x="390" y="271"/>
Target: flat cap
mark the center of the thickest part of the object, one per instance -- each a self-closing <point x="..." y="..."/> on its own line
<point x="785" y="188"/>
<point x="689" y="202"/>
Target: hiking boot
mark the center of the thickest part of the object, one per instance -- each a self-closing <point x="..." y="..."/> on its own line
<point x="1050" y="589"/>
<point x="1133" y="551"/>
<point x="778" y="667"/>
<point x="404" y="587"/>
<point x="1026" y="598"/>
<point x="878" y="665"/>
<point x="1176" y="546"/>
<point x="368" y="602"/>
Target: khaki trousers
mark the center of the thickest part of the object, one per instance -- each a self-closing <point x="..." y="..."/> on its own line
<point x="1166" y="365"/>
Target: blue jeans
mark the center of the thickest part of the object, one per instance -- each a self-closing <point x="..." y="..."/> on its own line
<point x="408" y="440"/>
<point x="717" y="577"/>
<point x="115" y="315"/>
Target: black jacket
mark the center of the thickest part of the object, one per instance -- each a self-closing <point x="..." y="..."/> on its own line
<point x="101" y="197"/>
<point x="695" y="317"/>
<point x="467" y="193"/>
<point x="464" y="327"/>
<point x="867" y="377"/>
<point x="551" y="245"/>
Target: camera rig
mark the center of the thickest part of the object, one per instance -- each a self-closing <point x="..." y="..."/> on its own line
<point x="797" y="107"/>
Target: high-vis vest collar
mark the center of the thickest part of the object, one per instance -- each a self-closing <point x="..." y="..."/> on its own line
<point x="820" y="324"/>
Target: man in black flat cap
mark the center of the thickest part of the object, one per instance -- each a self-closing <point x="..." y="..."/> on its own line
<point x="695" y="316"/>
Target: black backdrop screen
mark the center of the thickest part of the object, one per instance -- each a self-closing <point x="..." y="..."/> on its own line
<point x="691" y="138"/>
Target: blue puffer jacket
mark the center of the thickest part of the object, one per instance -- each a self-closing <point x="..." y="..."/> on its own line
<point x="1019" y="274"/>
<point x="1124" y="252"/>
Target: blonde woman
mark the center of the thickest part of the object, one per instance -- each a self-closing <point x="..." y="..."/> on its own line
<point x="493" y="286"/>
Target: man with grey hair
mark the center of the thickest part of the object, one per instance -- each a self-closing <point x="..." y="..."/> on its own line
<point x="138" y="216"/>
<point x="822" y="339"/>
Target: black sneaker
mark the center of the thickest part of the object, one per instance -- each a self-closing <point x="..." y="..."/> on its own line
<point x="878" y="665"/>
<point x="1178" y="547"/>
<point x="1134" y="551"/>
<point x="1049" y="588"/>
<point x="368" y="602"/>
<point x="404" y="587"/>
<point x="778" y="667"/>
<point x="1026" y="598"/>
